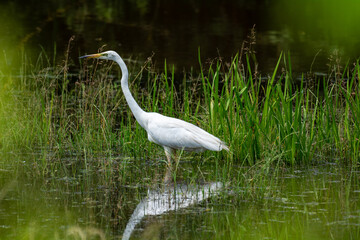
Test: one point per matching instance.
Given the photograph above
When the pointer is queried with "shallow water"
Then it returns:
(315, 203)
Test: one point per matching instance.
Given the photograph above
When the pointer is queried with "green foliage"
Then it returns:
(265, 120)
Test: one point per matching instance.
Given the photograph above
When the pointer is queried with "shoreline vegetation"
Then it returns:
(268, 121)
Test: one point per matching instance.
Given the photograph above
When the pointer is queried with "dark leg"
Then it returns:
(168, 173)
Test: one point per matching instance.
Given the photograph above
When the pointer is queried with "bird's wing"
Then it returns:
(178, 134)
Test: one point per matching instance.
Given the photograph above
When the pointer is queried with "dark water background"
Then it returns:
(315, 33)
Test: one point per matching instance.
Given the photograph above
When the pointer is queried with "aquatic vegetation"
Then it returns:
(268, 120)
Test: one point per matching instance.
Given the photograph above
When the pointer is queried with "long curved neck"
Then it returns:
(135, 109)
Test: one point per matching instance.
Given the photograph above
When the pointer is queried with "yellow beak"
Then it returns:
(97, 55)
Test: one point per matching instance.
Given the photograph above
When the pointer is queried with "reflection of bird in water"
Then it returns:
(168, 132)
(170, 199)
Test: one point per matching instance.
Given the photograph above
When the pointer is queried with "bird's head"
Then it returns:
(108, 55)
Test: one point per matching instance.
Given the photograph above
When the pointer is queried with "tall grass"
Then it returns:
(282, 118)
(271, 120)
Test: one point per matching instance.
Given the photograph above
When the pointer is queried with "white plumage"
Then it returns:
(170, 133)
(178, 134)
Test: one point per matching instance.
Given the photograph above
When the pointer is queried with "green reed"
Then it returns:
(267, 121)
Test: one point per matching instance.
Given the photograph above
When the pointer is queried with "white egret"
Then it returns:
(170, 133)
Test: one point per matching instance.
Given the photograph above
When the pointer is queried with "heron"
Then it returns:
(170, 133)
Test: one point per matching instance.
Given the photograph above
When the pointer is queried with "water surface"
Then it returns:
(313, 203)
